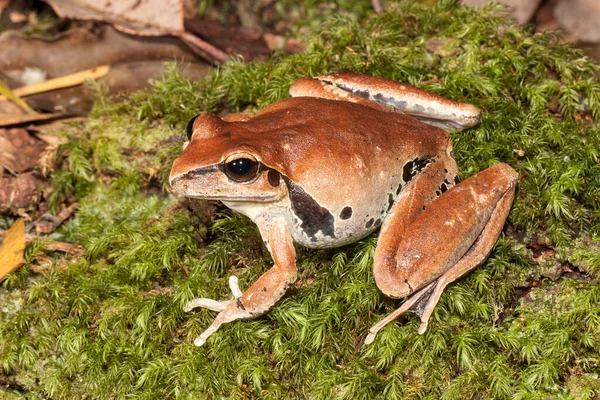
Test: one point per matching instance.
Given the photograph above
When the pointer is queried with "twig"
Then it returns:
(52, 246)
(61, 82)
(203, 48)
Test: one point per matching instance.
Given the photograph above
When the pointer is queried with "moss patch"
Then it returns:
(524, 325)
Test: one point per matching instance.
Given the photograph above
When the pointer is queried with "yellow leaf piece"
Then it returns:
(12, 250)
(9, 94)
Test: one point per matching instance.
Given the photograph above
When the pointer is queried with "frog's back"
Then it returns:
(344, 163)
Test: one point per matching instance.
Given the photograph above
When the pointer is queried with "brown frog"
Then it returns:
(346, 155)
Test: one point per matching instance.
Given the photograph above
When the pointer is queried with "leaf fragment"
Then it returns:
(12, 250)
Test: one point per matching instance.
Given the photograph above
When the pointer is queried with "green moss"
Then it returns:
(110, 322)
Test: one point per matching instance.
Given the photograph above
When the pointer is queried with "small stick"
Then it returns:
(61, 82)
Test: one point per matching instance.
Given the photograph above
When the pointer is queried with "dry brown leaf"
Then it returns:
(137, 17)
(8, 157)
(21, 193)
(12, 251)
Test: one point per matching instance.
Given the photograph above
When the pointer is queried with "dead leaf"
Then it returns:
(20, 193)
(28, 148)
(84, 50)
(8, 157)
(12, 250)
(138, 17)
(48, 157)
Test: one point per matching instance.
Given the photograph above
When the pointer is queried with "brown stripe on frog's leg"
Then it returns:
(390, 95)
(453, 236)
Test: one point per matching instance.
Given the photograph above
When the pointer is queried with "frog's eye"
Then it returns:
(189, 129)
(242, 169)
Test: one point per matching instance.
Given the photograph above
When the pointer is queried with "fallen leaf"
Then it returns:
(8, 157)
(28, 148)
(84, 50)
(12, 250)
(138, 17)
(20, 193)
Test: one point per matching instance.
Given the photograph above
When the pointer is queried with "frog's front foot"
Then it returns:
(215, 305)
(229, 310)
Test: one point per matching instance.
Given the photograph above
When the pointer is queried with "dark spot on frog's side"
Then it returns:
(264, 289)
(369, 223)
(274, 178)
(412, 168)
(313, 217)
(390, 201)
(346, 213)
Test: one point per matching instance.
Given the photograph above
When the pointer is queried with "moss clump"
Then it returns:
(110, 323)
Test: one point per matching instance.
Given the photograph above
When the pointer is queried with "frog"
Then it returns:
(343, 156)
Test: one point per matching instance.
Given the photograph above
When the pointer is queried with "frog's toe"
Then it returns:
(213, 305)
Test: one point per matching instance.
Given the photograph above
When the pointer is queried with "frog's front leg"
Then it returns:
(265, 292)
(452, 236)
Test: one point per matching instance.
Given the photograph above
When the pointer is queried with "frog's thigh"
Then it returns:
(425, 187)
(454, 235)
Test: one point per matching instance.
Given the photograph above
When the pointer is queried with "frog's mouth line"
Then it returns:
(236, 199)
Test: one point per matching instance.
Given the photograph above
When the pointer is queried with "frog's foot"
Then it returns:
(215, 305)
(229, 310)
(417, 304)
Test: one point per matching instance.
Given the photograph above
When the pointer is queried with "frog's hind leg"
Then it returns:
(451, 237)
(388, 95)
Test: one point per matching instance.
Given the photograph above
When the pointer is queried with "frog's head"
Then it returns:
(216, 165)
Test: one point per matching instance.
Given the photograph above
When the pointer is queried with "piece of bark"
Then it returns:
(232, 39)
(83, 50)
(122, 78)
(20, 193)
(580, 19)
